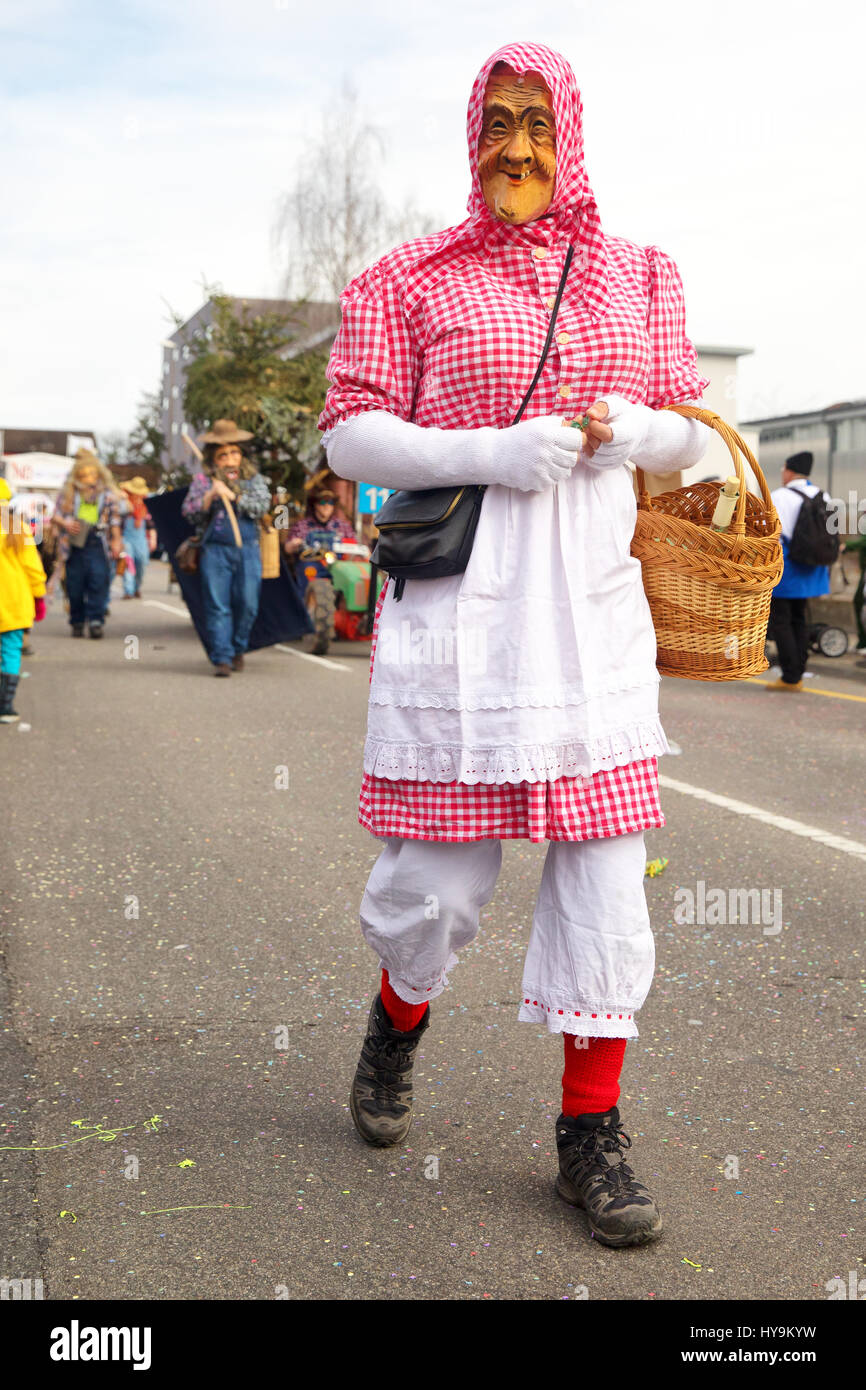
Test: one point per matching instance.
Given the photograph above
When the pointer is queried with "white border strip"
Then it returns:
(318, 660)
(278, 646)
(168, 608)
(792, 827)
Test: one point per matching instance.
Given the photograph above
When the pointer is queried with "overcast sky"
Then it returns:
(145, 144)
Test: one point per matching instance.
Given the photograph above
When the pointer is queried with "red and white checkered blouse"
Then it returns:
(446, 332)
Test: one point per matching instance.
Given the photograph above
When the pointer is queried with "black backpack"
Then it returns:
(813, 542)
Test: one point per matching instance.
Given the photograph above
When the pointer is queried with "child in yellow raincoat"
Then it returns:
(22, 598)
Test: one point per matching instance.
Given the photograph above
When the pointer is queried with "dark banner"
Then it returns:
(282, 616)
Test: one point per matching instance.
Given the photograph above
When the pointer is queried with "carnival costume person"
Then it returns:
(135, 544)
(322, 522)
(231, 574)
(88, 518)
(539, 718)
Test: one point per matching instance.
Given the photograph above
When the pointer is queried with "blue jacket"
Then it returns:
(798, 581)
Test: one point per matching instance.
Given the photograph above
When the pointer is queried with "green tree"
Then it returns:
(112, 447)
(239, 370)
(146, 439)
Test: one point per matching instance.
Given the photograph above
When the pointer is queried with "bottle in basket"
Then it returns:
(724, 512)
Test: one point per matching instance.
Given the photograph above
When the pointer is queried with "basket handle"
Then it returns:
(737, 445)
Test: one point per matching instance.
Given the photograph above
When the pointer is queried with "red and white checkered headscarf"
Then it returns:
(573, 206)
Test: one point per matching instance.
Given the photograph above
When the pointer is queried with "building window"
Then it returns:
(174, 426)
(165, 402)
(174, 393)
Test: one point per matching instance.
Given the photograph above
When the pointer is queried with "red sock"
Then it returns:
(402, 1016)
(590, 1082)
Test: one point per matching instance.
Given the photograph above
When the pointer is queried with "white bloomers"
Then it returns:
(590, 961)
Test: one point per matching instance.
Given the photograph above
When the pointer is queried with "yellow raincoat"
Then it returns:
(22, 578)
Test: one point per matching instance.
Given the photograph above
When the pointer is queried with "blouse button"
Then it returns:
(539, 253)
(563, 338)
(550, 301)
(565, 392)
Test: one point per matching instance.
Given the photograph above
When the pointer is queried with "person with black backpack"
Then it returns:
(811, 544)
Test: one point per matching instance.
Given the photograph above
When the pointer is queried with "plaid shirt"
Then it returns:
(337, 525)
(253, 502)
(112, 511)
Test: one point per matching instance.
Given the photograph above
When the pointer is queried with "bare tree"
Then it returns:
(335, 220)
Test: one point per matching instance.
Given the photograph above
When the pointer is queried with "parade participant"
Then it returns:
(135, 541)
(322, 522)
(22, 598)
(231, 574)
(800, 581)
(539, 720)
(88, 517)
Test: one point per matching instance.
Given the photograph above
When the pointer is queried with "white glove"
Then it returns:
(659, 441)
(377, 447)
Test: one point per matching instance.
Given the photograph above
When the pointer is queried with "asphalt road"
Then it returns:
(185, 988)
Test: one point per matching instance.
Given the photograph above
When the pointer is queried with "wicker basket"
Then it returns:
(709, 591)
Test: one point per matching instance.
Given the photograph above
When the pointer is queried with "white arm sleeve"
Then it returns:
(658, 441)
(377, 447)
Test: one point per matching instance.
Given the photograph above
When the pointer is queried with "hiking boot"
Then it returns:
(381, 1096)
(78, 629)
(593, 1174)
(95, 630)
(237, 662)
(222, 669)
(8, 687)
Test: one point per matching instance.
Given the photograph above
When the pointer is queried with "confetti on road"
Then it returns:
(201, 1206)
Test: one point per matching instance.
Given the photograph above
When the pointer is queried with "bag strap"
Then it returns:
(546, 349)
(400, 584)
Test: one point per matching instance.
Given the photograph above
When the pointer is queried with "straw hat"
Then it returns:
(137, 486)
(226, 432)
(87, 456)
(321, 481)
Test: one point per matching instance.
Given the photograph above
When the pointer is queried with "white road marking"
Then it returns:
(305, 656)
(793, 827)
(278, 646)
(168, 607)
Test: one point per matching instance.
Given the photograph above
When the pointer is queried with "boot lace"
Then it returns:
(388, 1059)
(609, 1139)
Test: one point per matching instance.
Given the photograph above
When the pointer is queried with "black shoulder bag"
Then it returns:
(429, 533)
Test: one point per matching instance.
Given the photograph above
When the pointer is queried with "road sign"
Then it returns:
(371, 498)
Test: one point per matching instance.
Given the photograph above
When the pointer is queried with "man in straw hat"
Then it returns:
(135, 536)
(226, 502)
(555, 734)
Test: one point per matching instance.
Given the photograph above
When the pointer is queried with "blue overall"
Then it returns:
(231, 583)
(135, 545)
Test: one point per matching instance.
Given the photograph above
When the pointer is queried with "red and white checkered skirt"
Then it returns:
(618, 802)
